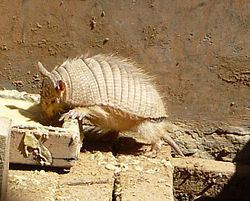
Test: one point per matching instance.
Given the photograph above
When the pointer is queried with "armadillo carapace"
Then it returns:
(111, 93)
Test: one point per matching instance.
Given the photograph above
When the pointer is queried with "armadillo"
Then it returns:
(112, 93)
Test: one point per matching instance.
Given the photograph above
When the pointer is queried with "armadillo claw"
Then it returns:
(81, 116)
(65, 116)
(72, 114)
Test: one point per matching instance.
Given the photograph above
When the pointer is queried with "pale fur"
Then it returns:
(109, 119)
(107, 106)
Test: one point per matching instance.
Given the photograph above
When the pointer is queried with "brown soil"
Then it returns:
(198, 51)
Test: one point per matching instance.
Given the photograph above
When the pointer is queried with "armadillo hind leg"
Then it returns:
(155, 133)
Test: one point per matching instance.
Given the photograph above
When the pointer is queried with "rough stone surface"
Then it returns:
(87, 180)
(62, 146)
(31, 141)
(219, 142)
(5, 125)
(143, 178)
(198, 178)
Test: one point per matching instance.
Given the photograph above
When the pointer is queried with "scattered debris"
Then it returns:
(78, 183)
(103, 14)
(92, 23)
(4, 47)
(35, 78)
(38, 25)
(18, 83)
(208, 39)
(105, 41)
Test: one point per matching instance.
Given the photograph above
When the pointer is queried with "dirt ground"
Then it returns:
(198, 52)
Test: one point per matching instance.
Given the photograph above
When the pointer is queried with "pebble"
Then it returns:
(103, 14)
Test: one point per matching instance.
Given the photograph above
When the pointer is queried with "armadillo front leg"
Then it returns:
(88, 117)
(91, 112)
(78, 112)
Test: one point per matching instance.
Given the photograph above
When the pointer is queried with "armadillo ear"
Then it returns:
(61, 86)
(43, 70)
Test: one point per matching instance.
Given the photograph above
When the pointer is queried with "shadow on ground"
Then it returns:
(121, 145)
(238, 187)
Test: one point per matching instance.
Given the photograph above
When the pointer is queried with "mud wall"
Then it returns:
(198, 50)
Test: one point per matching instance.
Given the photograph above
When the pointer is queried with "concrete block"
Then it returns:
(208, 178)
(31, 141)
(50, 146)
(88, 179)
(144, 178)
(5, 124)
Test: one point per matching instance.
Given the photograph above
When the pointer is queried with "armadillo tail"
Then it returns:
(172, 143)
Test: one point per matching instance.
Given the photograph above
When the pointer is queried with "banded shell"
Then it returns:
(109, 81)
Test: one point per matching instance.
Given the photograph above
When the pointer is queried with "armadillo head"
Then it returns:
(51, 95)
